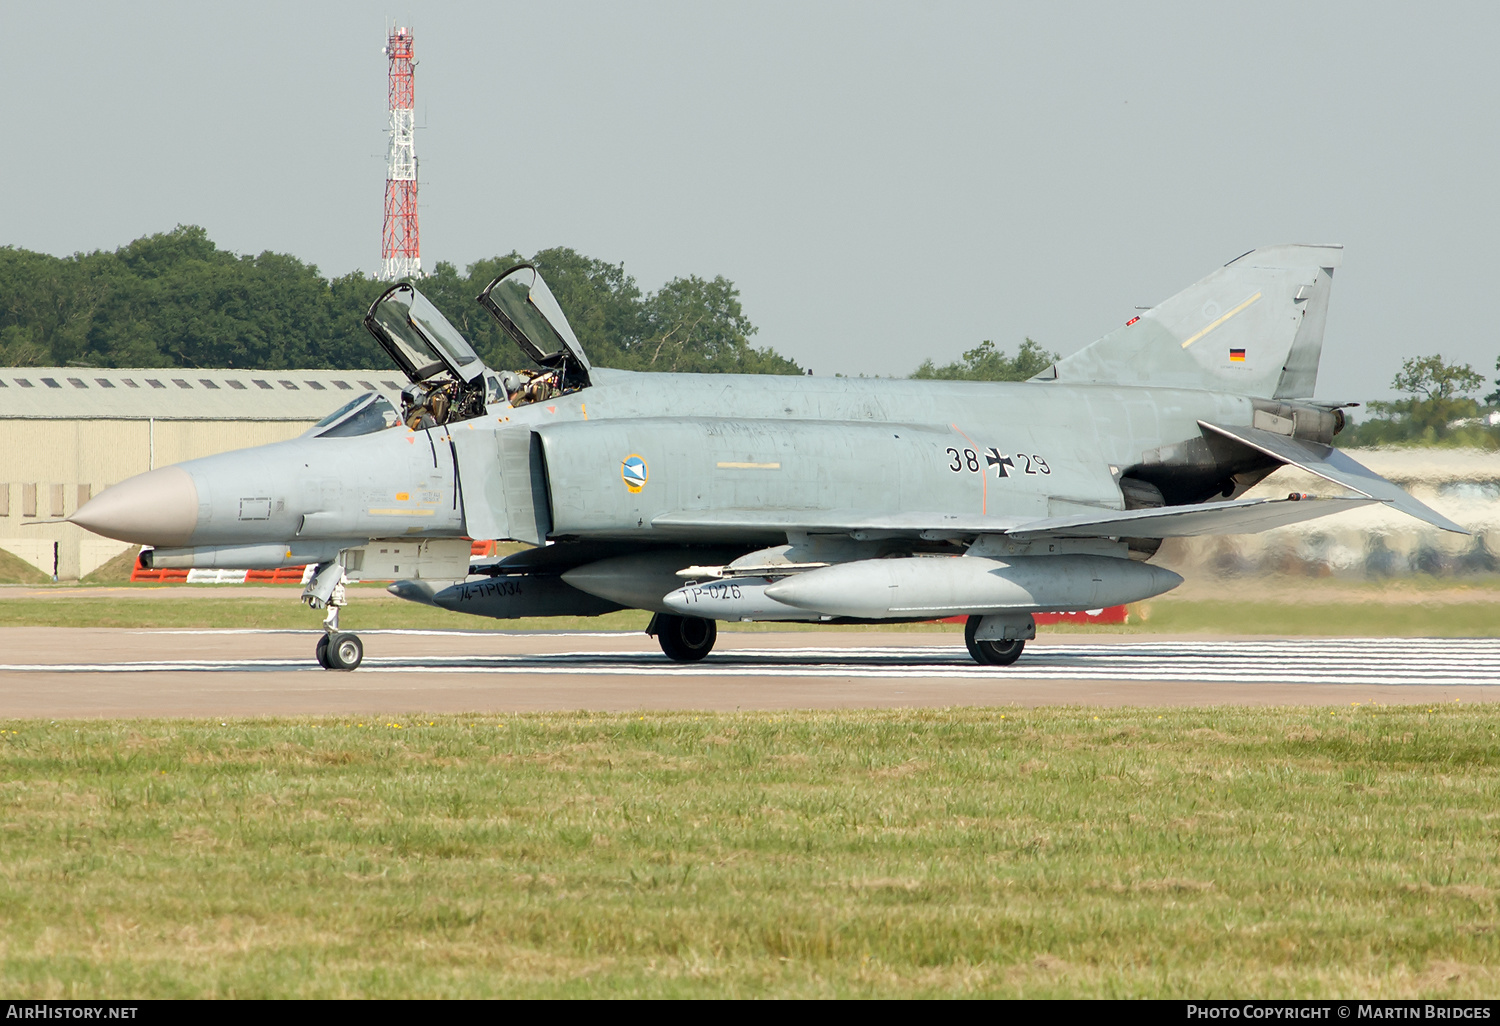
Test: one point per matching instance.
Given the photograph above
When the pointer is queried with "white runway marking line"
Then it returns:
(1357, 661)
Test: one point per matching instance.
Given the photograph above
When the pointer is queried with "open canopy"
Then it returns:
(520, 300)
(419, 338)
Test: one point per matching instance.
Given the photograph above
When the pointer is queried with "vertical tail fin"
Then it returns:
(1254, 326)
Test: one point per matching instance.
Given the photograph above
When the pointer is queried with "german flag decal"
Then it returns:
(1236, 356)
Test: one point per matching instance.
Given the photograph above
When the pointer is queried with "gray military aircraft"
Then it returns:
(728, 497)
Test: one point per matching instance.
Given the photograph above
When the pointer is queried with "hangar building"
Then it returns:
(66, 433)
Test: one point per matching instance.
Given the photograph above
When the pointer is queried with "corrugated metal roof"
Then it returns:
(172, 393)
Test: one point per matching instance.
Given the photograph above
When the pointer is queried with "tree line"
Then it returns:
(176, 299)
(1439, 406)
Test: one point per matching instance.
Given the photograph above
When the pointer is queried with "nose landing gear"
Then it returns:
(340, 650)
(336, 650)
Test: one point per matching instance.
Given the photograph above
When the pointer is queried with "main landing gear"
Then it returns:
(685, 639)
(990, 653)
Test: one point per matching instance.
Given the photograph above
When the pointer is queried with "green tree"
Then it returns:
(176, 299)
(1430, 379)
(20, 346)
(693, 324)
(1437, 393)
(986, 363)
(601, 302)
(690, 324)
(1438, 408)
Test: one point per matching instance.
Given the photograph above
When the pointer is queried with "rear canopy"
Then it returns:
(520, 300)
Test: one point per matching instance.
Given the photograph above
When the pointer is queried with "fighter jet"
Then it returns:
(703, 498)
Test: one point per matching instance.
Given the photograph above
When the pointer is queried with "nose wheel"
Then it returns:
(340, 651)
(336, 649)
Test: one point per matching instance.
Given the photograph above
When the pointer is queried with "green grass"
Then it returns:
(116, 570)
(15, 570)
(1476, 619)
(208, 606)
(1217, 852)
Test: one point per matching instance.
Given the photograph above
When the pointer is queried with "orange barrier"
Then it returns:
(1113, 614)
(1110, 614)
(140, 573)
(281, 575)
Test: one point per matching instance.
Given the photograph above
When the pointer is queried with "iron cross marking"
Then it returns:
(993, 458)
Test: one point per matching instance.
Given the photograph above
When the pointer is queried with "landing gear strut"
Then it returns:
(336, 649)
(990, 653)
(685, 639)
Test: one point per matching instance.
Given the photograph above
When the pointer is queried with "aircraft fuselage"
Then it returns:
(663, 457)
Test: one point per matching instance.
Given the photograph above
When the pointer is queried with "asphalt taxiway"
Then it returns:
(51, 672)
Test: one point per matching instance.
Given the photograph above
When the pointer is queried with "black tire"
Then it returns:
(685, 639)
(345, 651)
(322, 652)
(990, 653)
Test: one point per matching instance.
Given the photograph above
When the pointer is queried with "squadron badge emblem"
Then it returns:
(633, 470)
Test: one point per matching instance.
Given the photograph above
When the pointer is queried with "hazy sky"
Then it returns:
(884, 182)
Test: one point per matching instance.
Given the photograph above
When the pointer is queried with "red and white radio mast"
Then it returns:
(401, 252)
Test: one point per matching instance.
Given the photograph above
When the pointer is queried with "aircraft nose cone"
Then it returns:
(159, 507)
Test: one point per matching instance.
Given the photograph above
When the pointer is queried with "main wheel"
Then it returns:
(990, 653)
(322, 651)
(345, 651)
(685, 639)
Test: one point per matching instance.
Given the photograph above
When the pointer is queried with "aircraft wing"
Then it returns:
(840, 521)
(1240, 516)
(1332, 465)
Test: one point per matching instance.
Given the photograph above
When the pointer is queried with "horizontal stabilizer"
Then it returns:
(1332, 465)
(1242, 516)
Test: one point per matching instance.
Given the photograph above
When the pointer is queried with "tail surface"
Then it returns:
(1254, 326)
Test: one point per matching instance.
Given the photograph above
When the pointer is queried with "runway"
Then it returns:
(58, 672)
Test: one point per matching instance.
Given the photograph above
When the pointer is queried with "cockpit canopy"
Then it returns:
(419, 338)
(363, 415)
(449, 382)
(520, 300)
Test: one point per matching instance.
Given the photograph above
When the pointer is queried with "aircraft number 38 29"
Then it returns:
(967, 460)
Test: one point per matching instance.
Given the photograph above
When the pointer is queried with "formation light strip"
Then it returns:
(1221, 320)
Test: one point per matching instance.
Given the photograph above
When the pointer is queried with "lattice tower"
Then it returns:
(401, 252)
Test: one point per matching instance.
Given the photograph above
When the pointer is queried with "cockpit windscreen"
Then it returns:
(369, 413)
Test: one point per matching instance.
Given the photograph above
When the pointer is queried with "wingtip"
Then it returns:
(1426, 514)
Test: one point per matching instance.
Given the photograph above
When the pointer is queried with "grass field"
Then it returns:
(1472, 613)
(15, 570)
(208, 606)
(1287, 852)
